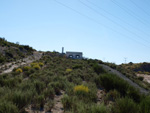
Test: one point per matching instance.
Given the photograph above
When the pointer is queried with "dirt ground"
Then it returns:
(58, 107)
(100, 95)
(146, 77)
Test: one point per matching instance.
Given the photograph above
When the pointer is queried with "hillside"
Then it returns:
(50, 82)
(138, 67)
(58, 84)
(10, 51)
(137, 72)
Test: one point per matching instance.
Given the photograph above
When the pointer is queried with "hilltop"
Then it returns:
(55, 83)
(10, 51)
(140, 68)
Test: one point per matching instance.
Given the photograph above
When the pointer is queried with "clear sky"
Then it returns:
(110, 30)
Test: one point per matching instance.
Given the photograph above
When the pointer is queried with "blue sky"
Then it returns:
(110, 30)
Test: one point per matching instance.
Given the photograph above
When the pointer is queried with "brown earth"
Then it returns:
(146, 77)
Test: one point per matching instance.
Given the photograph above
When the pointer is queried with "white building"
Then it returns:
(74, 55)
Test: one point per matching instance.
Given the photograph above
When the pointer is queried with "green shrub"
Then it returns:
(57, 87)
(41, 64)
(92, 95)
(36, 67)
(145, 105)
(49, 105)
(2, 59)
(8, 107)
(77, 66)
(67, 102)
(74, 79)
(125, 105)
(21, 99)
(110, 82)
(98, 69)
(112, 95)
(99, 109)
(33, 64)
(26, 68)
(39, 86)
(134, 94)
(49, 92)
(40, 101)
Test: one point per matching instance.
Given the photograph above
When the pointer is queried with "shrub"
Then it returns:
(134, 94)
(110, 82)
(26, 68)
(125, 105)
(33, 64)
(81, 91)
(141, 78)
(49, 105)
(145, 105)
(39, 86)
(68, 70)
(21, 99)
(98, 69)
(81, 88)
(41, 64)
(67, 102)
(8, 107)
(77, 66)
(74, 78)
(92, 94)
(49, 93)
(40, 101)
(37, 67)
(19, 70)
(2, 59)
(99, 109)
(57, 86)
(112, 95)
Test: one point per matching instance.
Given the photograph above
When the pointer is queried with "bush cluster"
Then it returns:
(19, 70)
(81, 88)
(59, 74)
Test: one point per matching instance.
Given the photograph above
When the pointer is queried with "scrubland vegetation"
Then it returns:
(130, 70)
(36, 85)
(10, 51)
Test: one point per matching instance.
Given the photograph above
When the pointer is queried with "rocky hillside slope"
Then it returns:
(10, 51)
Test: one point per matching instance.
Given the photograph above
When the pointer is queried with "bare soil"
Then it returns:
(58, 107)
(146, 77)
(100, 96)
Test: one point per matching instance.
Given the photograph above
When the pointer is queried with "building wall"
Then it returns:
(74, 55)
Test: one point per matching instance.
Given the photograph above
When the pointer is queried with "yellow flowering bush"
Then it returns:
(26, 68)
(68, 70)
(33, 64)
(41, 64)
(19, 70)
(37, 67)
(81, 88)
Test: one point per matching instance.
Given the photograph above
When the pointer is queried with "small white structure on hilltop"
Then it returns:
(74, 55)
